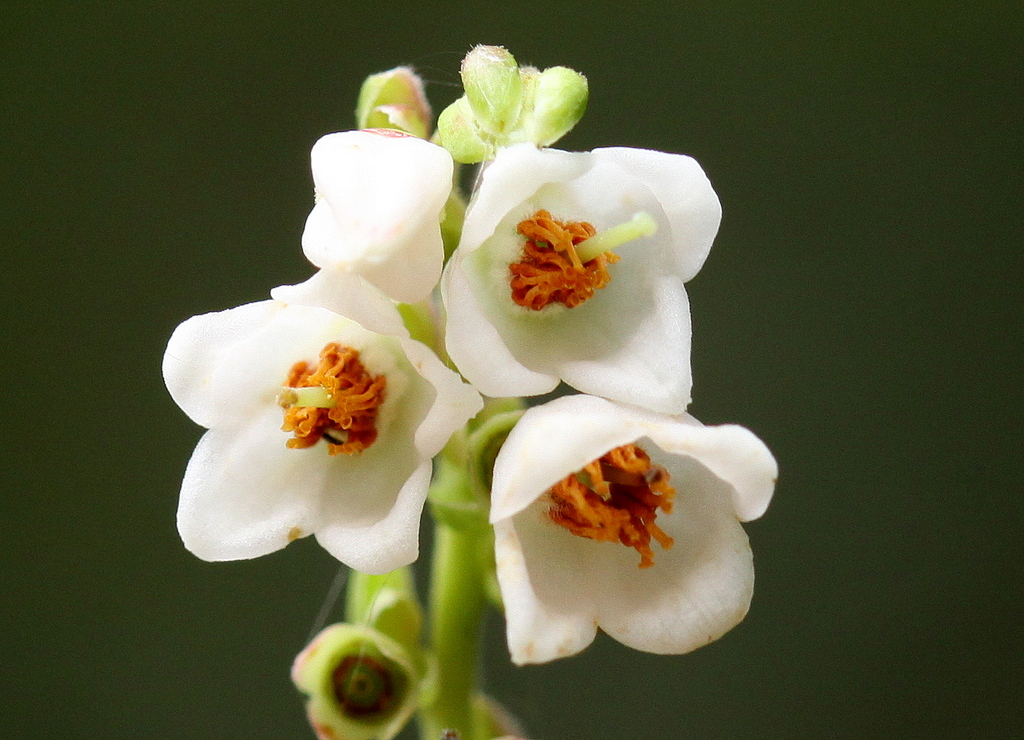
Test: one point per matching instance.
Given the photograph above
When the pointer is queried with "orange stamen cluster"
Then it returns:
(348, 426)
(550, 271)
(616, 499)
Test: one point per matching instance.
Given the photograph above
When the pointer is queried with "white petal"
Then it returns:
(348, 295)
(685, 193)
(550, 442)
(245, 494)
(732, 453)
(698, 589)
(249, 377)
(616, 346)
(455, 402)
(477, 349)
(513, 177)
(195, 348)
(373, 504)
(378, 214)
(549, 624)
(384, 544)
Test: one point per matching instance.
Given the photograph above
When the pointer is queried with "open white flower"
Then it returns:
(616, 324)
(621, 519)
(365, 412)
(379, 199)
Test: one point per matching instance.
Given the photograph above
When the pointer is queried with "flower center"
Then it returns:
(550, 269)
(566, 261)
(336, 400)
(616, 499)
(363, 686)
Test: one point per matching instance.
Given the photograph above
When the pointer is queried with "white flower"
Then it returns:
(357, 480)
(559, 585)
(630, 340)
(379, 199)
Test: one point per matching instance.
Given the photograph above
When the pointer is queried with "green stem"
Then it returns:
(457, 602)
(457, 597)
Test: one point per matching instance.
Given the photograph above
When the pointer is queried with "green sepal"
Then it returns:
(418, 319)
(457, 132)
(452, 217)
(485, 442)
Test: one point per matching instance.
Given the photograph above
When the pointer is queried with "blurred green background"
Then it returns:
(861, 311)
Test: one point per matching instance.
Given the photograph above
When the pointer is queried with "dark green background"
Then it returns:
(860, 311)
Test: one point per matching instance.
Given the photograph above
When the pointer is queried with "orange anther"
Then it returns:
(550, 270)
(348, 425)
(616, 499)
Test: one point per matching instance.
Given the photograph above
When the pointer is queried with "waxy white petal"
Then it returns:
(348, 295)
(477, 348)
(678, 182)
(193, 350)
(245, 494)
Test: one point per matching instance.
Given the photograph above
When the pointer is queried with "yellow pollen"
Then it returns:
(550, 270)
(349, 423)
(616, 499)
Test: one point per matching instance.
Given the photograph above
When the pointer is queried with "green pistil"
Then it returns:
(313, 397)
(642, 224)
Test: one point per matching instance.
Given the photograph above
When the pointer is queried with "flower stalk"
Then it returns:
(458, 598)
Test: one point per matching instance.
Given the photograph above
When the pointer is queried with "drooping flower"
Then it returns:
(315, 426)
(621, 519)
(571, 267)
(380, 194)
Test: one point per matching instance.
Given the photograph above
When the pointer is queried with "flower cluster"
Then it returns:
(327, 402)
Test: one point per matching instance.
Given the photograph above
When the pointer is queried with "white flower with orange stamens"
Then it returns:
(380, 194)
(316, 426)
(571, 267)
(616, 518)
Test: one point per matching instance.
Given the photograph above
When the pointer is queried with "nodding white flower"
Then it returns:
(615, 518)
(315, 426)
(571, 267)
(379, 199)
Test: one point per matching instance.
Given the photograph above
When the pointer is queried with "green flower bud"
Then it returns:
(490, 76)
(360, 684)
(394, 99)
(457, 132)
(559, 101)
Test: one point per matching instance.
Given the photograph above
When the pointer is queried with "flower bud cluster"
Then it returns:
(505, 104)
